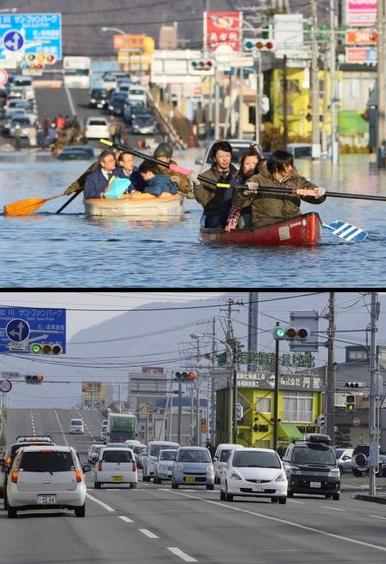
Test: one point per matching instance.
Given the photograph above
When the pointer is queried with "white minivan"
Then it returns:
(76, 426)
(220, 458)
(150, 458)
(137, 94)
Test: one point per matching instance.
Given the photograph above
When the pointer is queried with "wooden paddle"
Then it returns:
(27, 206)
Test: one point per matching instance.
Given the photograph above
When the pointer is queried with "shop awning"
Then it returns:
(352, 123)
(289, 431)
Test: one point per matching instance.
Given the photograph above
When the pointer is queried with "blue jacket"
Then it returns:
(95, 183)
(137, 182)
(160, 183)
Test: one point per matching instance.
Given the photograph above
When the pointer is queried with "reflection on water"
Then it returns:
(69, 250)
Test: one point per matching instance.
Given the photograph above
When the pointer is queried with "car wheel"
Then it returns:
(328, 496)
(97, 485)
(290, 494)
(336, 497)
(282, 500)
(222, 495)
(133, 485)
(5, 501)
(174, 486)
(228, 496)
(80, 511)
(12, 512)
(210, 487)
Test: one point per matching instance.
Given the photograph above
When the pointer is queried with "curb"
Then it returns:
(372, 498)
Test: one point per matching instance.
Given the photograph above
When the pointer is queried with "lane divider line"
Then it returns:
(148, 533)
(124, 518)
(104, 505)
(181, 554)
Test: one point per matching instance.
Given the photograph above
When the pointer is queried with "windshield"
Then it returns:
(155, 449)
(308, 455)
(194, 456)
(262, 459)
(168, 455)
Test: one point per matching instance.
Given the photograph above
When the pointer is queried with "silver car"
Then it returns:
(193, 467)
(164, 465)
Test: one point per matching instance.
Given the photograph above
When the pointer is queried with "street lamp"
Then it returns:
(232, 435)
(120, 32)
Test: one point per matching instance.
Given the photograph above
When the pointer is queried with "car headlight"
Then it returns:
(180, 467)
(209, 469)
(295, 470)
(281, 477)
(334, 473)
(234, 475)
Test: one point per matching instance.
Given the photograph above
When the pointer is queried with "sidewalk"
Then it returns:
(360, 486)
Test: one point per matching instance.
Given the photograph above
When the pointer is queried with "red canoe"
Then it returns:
(305, 229)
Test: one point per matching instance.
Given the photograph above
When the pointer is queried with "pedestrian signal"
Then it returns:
(46, 348)
(259, 45)
(350, 403)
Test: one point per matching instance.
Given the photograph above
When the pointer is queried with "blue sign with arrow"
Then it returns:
(23, 330)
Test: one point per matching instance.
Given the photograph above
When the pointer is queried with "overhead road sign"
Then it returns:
(21, 34)
(21, 329)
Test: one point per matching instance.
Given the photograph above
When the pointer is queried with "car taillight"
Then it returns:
(100, 466)
(78, 475)
(8, 461)
(134, 465)
(14, 476)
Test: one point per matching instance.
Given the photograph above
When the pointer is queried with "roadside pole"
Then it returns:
(373, 435)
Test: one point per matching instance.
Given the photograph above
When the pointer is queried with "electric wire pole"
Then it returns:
(330, 388)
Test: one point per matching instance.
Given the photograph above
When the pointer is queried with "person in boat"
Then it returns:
(78, 184)
(156, 183)
(216, 201)
(127, 169)
(269, 208)
(249, 166)
(97, 181)
(164, 152)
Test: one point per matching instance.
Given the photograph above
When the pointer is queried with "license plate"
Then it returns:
(259, 489)
(190, 479)
(116, 478)
(46, 499)
(315, 484)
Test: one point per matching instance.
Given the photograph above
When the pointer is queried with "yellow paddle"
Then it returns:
(27, 206)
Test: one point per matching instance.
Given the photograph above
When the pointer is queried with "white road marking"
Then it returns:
(377, 517)
(148, 533)
(333, 508)
(181, 554)
(293, 501)
(124, 518)
(61, 429)
(104, 505)
(285, 522)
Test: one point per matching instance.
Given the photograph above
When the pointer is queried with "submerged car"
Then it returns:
(193, 467)
(254, 472)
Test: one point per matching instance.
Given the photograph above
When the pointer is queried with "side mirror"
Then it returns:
(215, 459)
(86, 468)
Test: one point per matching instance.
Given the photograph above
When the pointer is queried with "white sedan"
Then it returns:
(256, 472)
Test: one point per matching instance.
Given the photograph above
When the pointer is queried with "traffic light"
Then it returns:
(33, 378)
(185, 376)
(355, 385)
(291, 333)
(350, 404)
(202, 66)
(46, 348)
(259, 45)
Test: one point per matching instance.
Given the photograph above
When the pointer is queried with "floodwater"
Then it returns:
(47, 250)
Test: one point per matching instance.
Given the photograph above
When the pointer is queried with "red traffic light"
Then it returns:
(192, 375)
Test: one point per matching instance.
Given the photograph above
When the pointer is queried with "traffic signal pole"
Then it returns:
(330, 384)
(373, 434)
(276, 393)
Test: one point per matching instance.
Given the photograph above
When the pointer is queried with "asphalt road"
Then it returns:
(157, 524)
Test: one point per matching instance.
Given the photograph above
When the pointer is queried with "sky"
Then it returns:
(153, 340)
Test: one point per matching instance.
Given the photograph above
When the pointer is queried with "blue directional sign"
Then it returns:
(30, 33)
(24, 329)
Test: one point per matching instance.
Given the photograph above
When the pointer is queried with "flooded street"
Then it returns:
(71, 251)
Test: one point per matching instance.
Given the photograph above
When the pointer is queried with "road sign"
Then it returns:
(3, 77)
(20, 327)
(21, 34)
(5, 386)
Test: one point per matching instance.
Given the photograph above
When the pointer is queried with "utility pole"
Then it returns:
(315, 136)
(213, 394)
(330, 388)
(334, 89)
(285, 103)
(253, 323)
(381, 85)
(374, 385)
(198, 426)
(276, 392)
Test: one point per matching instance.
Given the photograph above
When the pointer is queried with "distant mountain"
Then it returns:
(82, 20)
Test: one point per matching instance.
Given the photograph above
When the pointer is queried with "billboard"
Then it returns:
(361, 12)
(22, 34)
(222, 28)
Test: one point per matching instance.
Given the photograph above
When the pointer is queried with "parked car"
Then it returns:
(93, 452)
(76, 153)
(139, 456)
(116, 465)
(116, 103)
(343, 457)
(150, 456)
(47, 477)
(256, 472)
(360, 461)
(300, 150)
(132, 110)
(311, 467)
(220, 458)
(98, 98)
(239, 146)
(164, 465)
(193, 467)
(17, 103)
(110, 79)
(97, 127)
(19, 113)
(21, 123)
(76, 426)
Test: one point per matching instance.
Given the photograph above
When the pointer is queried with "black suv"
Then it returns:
(311, 467)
